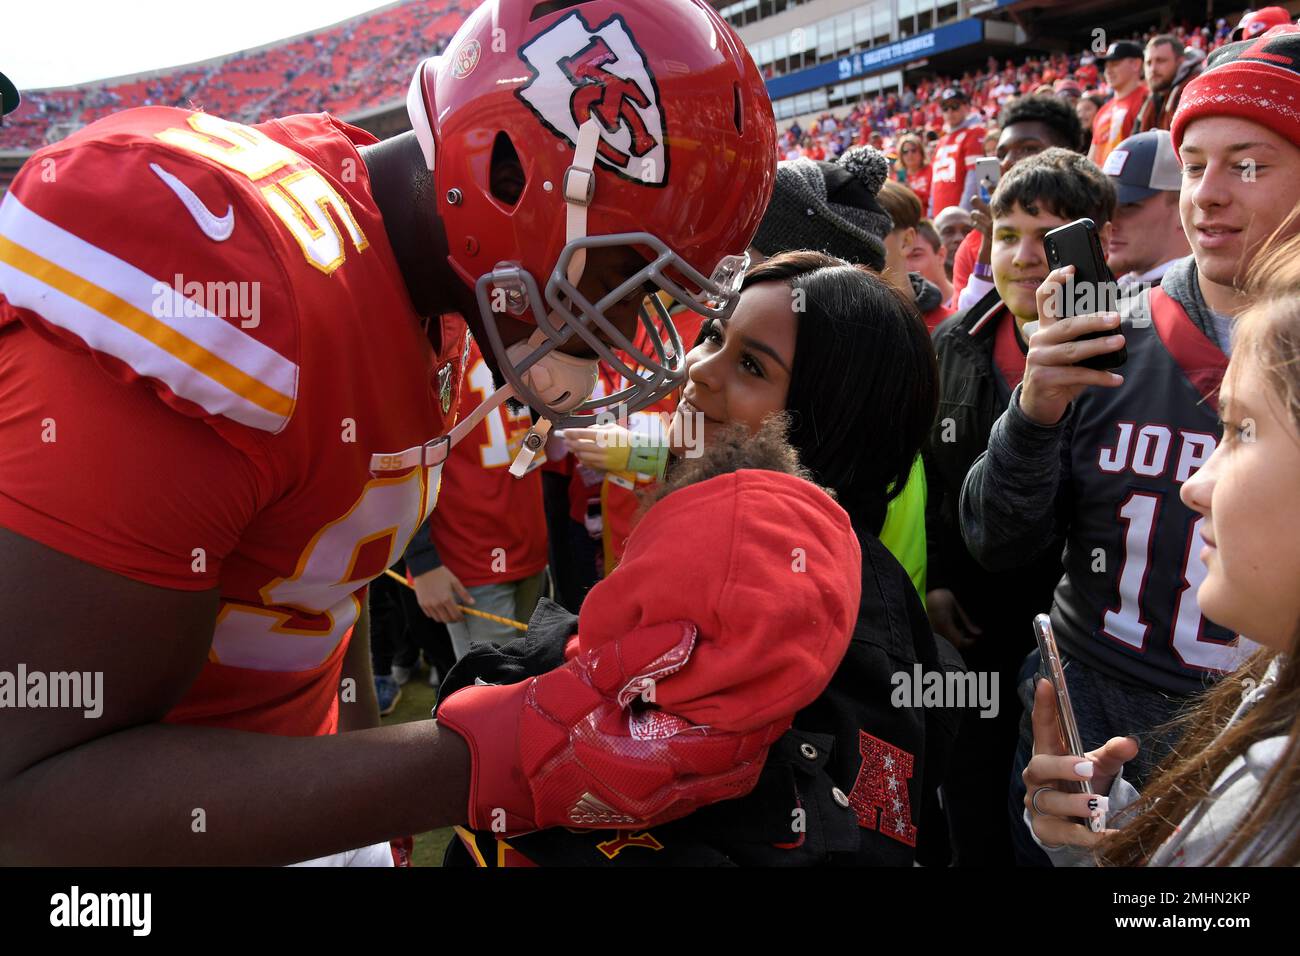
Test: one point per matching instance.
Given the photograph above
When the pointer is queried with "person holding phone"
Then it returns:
(1097, 458)
(1030, 124)
(1226, 794)
(982, 357)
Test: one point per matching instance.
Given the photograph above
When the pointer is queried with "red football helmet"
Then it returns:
(636, 123)
(1255, 23)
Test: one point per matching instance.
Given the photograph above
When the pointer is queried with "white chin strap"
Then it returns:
(579, 192)
(563, 381)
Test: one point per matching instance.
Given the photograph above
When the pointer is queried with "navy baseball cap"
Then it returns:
(1143, 165)
(953, 93)
(1122, 50)
(9, 97)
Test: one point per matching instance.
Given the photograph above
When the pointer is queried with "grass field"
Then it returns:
(417, 703)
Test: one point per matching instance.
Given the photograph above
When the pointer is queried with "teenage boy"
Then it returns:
(981, 360)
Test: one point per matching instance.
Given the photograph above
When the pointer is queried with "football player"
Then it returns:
(220, 416)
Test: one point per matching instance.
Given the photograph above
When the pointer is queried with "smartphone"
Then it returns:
(988, 170)
(1055, 672)
(1077, 244)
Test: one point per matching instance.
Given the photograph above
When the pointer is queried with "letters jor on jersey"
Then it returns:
(578, 73)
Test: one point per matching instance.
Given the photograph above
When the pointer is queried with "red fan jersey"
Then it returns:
(204, 336)
(1114, 123)
(919, 183)
(954, 159)
(492, 526)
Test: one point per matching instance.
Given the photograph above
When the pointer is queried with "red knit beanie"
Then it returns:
(1258, 80)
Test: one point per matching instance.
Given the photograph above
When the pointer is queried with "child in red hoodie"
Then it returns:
(755, 571)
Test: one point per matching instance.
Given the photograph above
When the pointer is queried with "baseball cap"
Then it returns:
(1259, 21)
(9, 98)
(1122, 50)
(953, 93)
(1143, 165)
(1067, 87)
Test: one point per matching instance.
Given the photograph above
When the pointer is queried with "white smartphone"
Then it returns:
(1069, 727)
(988, 171)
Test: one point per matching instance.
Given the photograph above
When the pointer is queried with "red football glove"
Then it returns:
(569, 749)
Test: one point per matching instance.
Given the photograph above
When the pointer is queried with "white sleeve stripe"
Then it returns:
(146, 359)
(179, 317)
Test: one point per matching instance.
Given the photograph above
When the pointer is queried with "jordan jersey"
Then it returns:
(1127, 603)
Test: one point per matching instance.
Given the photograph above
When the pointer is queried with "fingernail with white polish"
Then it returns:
(1084, 769)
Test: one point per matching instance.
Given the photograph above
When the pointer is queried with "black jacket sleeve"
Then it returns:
(1013, 497)
(421, 554)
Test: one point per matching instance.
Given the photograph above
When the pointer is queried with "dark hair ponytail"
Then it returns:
(865, 384)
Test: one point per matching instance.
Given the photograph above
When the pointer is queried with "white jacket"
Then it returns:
(1214, 820)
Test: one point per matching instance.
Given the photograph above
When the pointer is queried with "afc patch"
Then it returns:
(880, 797)
(578, 73)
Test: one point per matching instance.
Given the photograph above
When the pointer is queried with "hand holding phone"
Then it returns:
(1065, 348)
(1067, 743)
(988, 171)
(1093, 286)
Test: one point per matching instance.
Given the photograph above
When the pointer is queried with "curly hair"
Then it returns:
(1066, 183)
(1053, 112)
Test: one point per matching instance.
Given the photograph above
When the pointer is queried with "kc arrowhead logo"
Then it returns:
(578, 73)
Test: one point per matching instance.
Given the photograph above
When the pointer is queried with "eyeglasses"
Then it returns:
(956, 105)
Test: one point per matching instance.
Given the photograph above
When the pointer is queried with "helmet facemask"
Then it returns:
(565, 312)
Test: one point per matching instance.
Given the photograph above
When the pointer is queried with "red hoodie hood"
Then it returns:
(768, 569)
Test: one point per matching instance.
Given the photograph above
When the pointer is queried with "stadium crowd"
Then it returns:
(356, 65)
(884, 119)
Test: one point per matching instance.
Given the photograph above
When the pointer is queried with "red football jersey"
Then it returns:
(919, 183)
(954, 157)
(237, 286)
(491, 527)
(1114, 123)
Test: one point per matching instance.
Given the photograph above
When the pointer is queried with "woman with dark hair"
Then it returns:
(839, 349)
(832, 208)
(1088, 106)
(842, 354)
(843, 357)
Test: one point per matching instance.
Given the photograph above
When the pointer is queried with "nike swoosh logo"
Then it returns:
(216, 228)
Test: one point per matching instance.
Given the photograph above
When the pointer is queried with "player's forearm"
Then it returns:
(169, 795)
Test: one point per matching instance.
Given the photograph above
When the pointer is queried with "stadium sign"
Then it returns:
(878, 59)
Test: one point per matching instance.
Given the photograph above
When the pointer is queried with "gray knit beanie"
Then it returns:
(830, 207)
